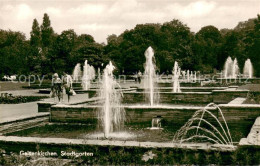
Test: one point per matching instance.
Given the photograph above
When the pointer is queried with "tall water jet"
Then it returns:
(235, 69)
(195, 76)
(188, 75)
(149, 75)
(228, 67)
(112, 115)
(231, 69)
(176, 74)
(76, 73)
(88, 75)
(248, 69)
(183, 74)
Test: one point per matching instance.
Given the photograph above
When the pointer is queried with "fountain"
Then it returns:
(99, 75)
(231, 69)
(176, 74)
(112, 115)
(88, 75)
(195, 77)
(235, 69)
(183, 74)
(227, 67)
(191, 130)
(85, 79)
(150, 75)
(76, 73)
(188, 76)
(248, 69)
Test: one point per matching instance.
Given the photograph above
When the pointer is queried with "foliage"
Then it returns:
(10, 99)
(47, 52)
(111, 155)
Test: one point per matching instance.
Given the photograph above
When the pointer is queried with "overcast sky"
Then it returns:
(101, 18)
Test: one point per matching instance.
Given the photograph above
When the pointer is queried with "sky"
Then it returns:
(101, 18)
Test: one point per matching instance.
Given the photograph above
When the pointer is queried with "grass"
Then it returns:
(6, 86)
(251, 87)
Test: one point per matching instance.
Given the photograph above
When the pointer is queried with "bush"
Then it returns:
(10, 99)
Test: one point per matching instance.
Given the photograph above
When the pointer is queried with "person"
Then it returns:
(167, 73)
(139, 75)
(67, 85)
(135, 76)
(56, 89)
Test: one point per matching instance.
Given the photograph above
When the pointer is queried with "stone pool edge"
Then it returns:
(82, 142)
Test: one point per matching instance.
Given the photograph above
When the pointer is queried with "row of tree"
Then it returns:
(47, 52)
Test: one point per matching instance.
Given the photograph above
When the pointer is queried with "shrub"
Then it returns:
(10, 99)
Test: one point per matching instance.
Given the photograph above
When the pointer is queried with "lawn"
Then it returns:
(7, 85)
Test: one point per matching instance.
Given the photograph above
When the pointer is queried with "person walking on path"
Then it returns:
(56, 89)
(67, 85)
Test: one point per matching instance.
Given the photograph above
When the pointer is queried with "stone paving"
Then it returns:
(12, 112)
(238, 100)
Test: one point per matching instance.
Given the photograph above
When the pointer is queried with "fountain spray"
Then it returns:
(112, 115)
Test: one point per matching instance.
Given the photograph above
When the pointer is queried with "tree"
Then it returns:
(46, 31)
(13, 53)
(207, 47)
(176, 39)
(61, 57)
(34, 54)
(35, 34)
(254, 51)
(47, 38)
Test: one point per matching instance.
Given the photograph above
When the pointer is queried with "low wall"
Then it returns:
(23, 124)
(168, 97)
(225, 96)
(216, 96)
(91, 93)
(74, 114)
(238, 115)
(89, 114)
(45, 106)
(239, 80)
(185, 89)
(182, 84)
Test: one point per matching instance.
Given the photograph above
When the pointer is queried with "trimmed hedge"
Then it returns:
(10, 99)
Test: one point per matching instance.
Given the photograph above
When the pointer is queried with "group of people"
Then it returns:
(138, 77)
(61, 85)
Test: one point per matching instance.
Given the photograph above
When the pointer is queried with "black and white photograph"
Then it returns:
(129, 82)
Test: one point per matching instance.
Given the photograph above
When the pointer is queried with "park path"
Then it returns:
(12, 112)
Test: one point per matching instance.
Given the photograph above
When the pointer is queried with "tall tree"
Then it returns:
(47, 38)
(254, 52)
(35, 34)
(46, 31)
(34, 54)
